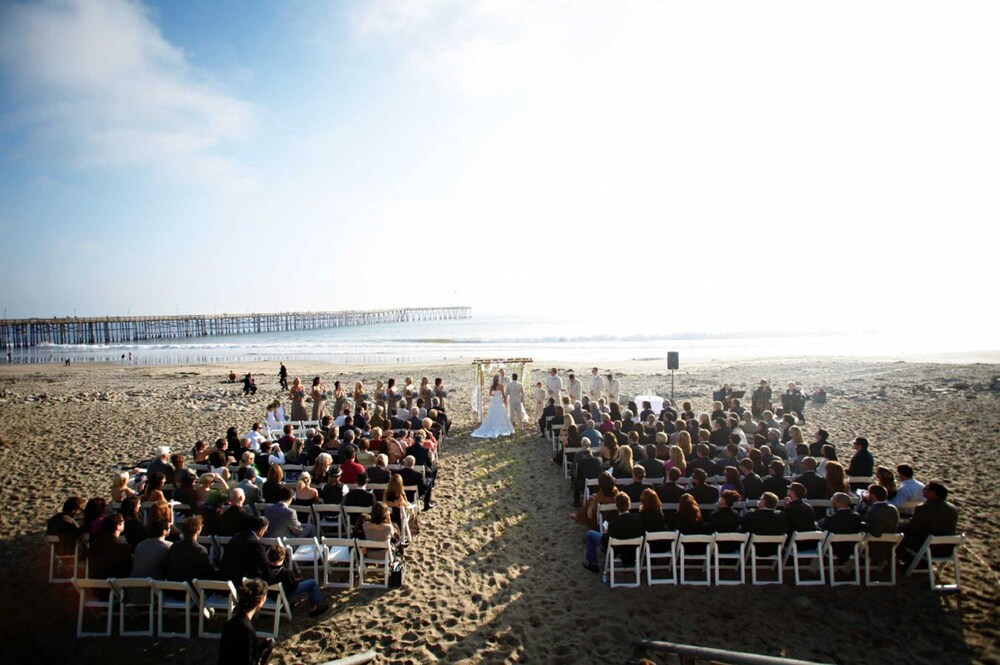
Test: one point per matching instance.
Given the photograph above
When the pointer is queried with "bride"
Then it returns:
(497, 420)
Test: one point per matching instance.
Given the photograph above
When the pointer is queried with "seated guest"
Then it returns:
(880, 518)
(379, 473)
(885, 478)
(305, 493)
(350, 469)
(862, 463)
(828, 454)
(606, 493)
(548, 412)
(161, 510)
(766, 521)
(815, 486)
(688, 518)
(134, 530)
(93, 515)
(63, 525)
(250, 486)
(624, 525)
(836, 479)
(654, 467)
(287, 440)
(153, 490)
(378, 526)
(909, 489)
(188, 559)
(799, 514)
(292, 584)
(730, 455)
(590, 432)
(236, 517)
(283, 522)
(239, 644)
(651, 512)
(271, 490)
(670, 491)
(843, 521)
(636, 487)
(109, 554)
(421, 454)
(360, 496)
(753, 486)
(333, 491)
(622, 466)
(161, 464)
(821, 438)
(246, 555)
(702, 492)
(412, 477)
(676, 459)
(725, 519)
(702, 461)
(186, 494)
(151, 554)
(119, 487)
(585, 467)
(934, 517)
(733, 481)
(776, 483)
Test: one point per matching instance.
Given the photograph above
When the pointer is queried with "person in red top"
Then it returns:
(350, 469)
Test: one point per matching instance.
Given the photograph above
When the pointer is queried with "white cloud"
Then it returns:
(97, 82)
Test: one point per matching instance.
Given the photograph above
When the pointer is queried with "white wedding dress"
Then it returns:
(497, 421)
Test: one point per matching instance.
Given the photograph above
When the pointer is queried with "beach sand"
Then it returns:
(495, 574)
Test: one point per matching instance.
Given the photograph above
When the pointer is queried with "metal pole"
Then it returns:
(671, 387)
(719, 655)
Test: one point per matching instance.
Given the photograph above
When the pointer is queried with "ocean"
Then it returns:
(505, 336)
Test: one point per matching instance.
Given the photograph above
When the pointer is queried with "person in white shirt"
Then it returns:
(256, 438)
(515, 399)
(539, 399)
(554, 386)
(910, 489)
(574, 388)
(276, 456)
(596, 385)
(614, 388)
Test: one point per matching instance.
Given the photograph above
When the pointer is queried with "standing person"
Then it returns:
(760, 401)
(298, 395)
(440, 392)
(596, 390)
(515, 402)
(554, 386)
(614, 388)
(574, 388)
(497, 421)
(339, 399)
(283, 377)
(239, 645)
(539, 395)
(793, 401)
(319, 398)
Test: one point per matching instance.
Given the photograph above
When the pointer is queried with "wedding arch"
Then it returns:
(486, 368)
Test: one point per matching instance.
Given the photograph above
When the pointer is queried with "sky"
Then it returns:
(726, 165)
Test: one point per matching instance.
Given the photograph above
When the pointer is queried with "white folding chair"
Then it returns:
(807, 546)
(667, 557)
(306, 553)
(350, 515)
(833, 539)
(890, 541)
(220, 546)
(338, 557)
(411, 490)
(588, 488)
(927, 554)
(135, 596)
(697, 559)
(90, 599)
(174, 596)
(366, 549)
(260, 507)
(556, 429)
(62, 560)
(214, 595)
(327, 520)
(304, 513)
(274, 605)
(603, 508)
(615, 548)
(737, 556)
(775, 559)
(565, 460)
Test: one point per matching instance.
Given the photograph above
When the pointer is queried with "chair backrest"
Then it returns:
(82, 583)
(661, 536)
(692, 539)
(164, 585)
(624, 542)
(732, 537)
(338, 542)
(804, 537)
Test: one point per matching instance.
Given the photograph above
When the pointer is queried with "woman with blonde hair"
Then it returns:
(119, 487)
(795, 439)
(662, 444)
(676, 460)
(887, 479)
(378, 420)
(623, 463)
(684, 443)
(380, 395)
(321, 465)
(305, 493)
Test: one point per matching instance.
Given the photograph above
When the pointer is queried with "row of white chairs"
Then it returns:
(716, 555)
(345, 558)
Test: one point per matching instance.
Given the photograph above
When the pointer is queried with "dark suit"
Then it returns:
(862, 464)
(881, 518)
(765, 522)
(724, 520)
(412, 477)
(800, 516)
(753, 486)
(670, 493)
(653, 467)
(233, 521)
(585, 469)
(245, 556)
(844, 521)
(109, 557)
(815, 486)
(624, 526)
(68, 531)
(548, 412)
(420, 454)
(187, 561)
(777, 485)
(931, 518)
(634, 491)
(703, 463)
(360, 498)
(704, 493)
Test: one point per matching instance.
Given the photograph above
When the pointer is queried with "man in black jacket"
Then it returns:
(236, 517)
(799, 514)
(843, 521)
(625, 525)
(766, 521)
(636, 487)
(413, 477)
(548, 412)
(246, 555)
(670, 491)
(776, 483)
(862, 463)
(702, 492)
(702, 461)
(934, 517)
(585, 467)
(753, 486)
(188, 559)
(110, 555)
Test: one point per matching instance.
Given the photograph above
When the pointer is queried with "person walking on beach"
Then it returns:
(283, 377)
(318, 398)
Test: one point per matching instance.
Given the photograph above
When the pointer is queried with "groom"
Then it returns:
(553, 386)
(515, 399)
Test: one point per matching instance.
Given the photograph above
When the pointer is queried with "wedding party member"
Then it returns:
(539, 395)
(318, 395)
(554, 386)
(614, 388)
(760, 401)
(298, 395)
(515, 402)
(575, 388)
(497, 421)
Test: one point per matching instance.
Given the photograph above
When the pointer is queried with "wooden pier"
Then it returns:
(23, 333)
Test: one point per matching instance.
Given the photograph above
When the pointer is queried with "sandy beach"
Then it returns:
(495, 573)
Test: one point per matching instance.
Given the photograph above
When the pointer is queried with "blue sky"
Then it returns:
(231, 156)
